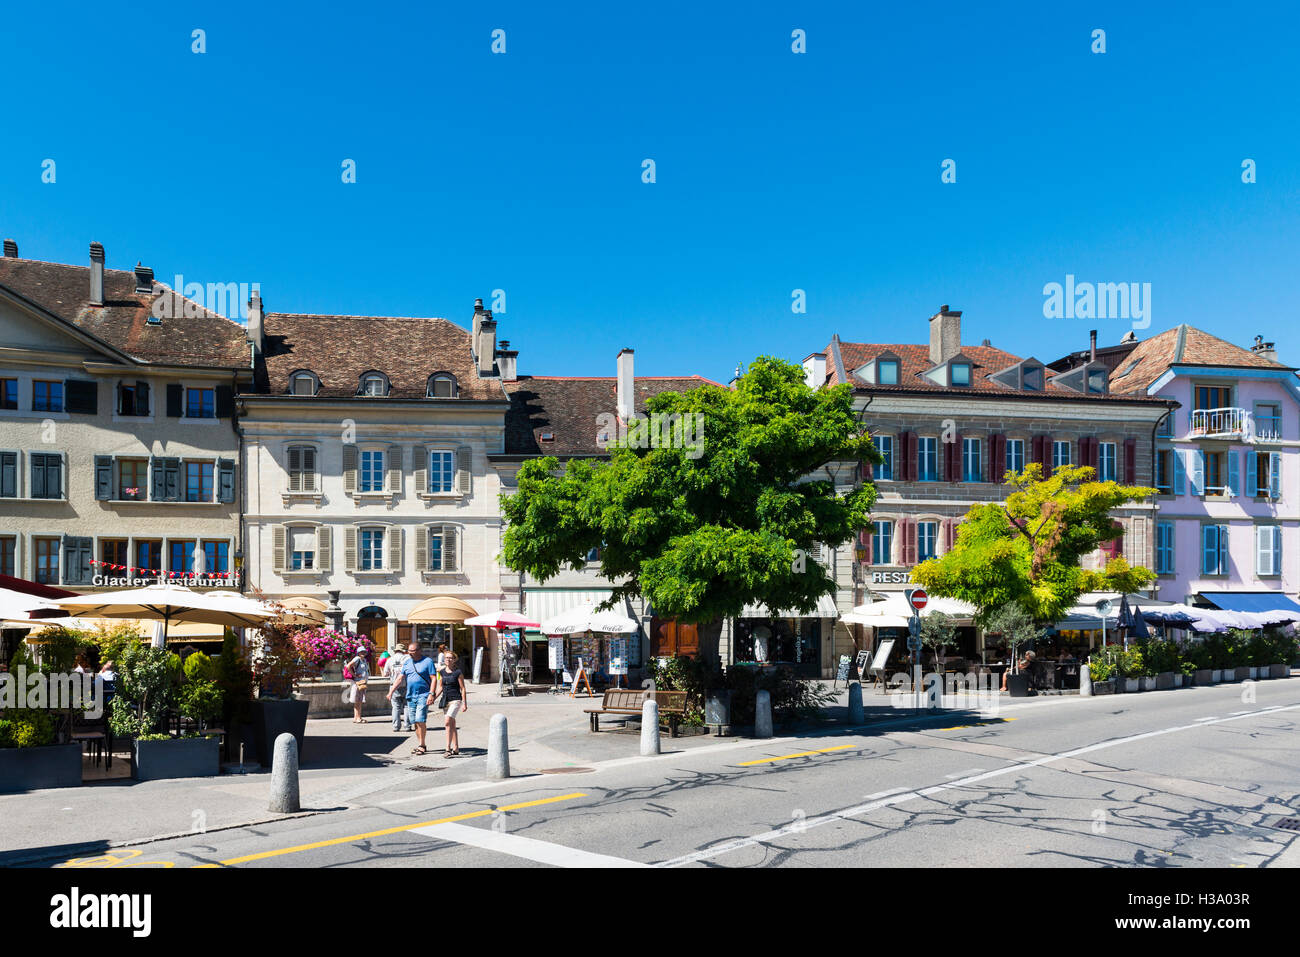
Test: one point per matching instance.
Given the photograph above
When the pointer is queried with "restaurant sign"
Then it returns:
(891, 577)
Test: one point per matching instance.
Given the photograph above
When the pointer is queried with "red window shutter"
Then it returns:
(955, 475)
(906, 462)
(908, 530)
(947, 534)
(1130, 461)
(864, 541)
(995, 455)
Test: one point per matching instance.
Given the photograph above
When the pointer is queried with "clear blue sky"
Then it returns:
(775, 171)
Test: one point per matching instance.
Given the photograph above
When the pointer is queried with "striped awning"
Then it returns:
(541, 604)
(825, 609)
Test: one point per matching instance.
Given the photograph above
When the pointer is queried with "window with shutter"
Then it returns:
(395, 549)
(1130, 461)
(423, 539)
(103, 477)
(464, 477)
(324, 547)
(225, 480)
(8, 474)
(47, 475)
(394, 468)
(450, 551)
(350, 548)
(295, 468)
(278, 547)
(83, 396)
(175, 400)
(420, 470)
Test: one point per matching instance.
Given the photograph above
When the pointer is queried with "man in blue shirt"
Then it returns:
(417, 678)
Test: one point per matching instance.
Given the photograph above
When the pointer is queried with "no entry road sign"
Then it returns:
(918, 598)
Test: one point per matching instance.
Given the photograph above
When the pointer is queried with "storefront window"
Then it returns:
(788, 641)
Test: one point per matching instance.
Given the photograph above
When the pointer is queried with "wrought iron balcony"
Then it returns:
(1220, 424)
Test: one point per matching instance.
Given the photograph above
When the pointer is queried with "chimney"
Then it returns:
(507, 359)
(487, 343)
(255, 333)
(814, 370)
(1092, 345)
(625, 393)
(945, 335)
(96, 274)
(474, 327)
(1261, 348)
(11, 249)
(143, 279)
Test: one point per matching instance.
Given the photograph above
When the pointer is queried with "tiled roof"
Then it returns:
(1183, 344)
(568, 408)
(340, 349)
(202, 339)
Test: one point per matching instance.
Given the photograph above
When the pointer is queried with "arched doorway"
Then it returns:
(372, 621)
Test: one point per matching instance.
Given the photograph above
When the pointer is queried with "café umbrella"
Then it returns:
(168, 603)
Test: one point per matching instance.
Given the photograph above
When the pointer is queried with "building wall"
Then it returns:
(272, 426)
(79, 438)
(1242, 513)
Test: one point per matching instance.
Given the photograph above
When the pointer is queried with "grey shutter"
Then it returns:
(422, 548)
(464, 476)
(225, 480)
(394, 463)
(350, 548)
(172, 479)
(142, 398)
(420, 467)
(8, 475)
(103, 477)
(157, 481)
(394, 534)
(349, 468)
(37, 469)
(279, 538)
(324, 535)
(75, 560)
(295, 469)
(175, 400)
(309, 468)
(450, 560)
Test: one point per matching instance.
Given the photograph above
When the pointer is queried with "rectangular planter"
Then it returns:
(1216, 676)
(1148, 683)
(273, 717)
(1180, 680)
(1165, 681)
(1241, 674)
(31, 769)
(1132, 685)
(176, 758)
(1254, 674)
(1279, 671)
(1103, 687)
(1203, 677)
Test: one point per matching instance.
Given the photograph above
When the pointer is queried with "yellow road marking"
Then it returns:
(801, 754)
(117, 858)
(397, 830)
(978, 724)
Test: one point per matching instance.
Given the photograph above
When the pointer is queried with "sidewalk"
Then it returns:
(342, 763)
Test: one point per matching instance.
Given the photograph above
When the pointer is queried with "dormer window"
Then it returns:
(442, 386)
(888, 372)
(1097, 381)
(1033, 378)
(303, 383)
(374, 384)
(960, 374)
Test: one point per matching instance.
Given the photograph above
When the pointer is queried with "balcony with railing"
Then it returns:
(1220, 424)
(1268, 428)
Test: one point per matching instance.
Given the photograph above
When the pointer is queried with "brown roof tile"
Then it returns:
(1182, 344)
(340, 349)
(568, 408)
(203, 339)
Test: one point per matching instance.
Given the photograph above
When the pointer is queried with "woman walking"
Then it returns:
(359, 668)
(453, 697)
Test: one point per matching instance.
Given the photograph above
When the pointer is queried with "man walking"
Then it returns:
(416, 677)
(393, 668)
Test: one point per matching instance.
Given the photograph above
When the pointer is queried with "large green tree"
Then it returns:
(1028, 549)
(721, 515)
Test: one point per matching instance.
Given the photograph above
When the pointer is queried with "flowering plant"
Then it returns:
(319, 646)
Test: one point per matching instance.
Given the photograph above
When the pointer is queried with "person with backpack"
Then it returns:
(416, 681)
(393, 668)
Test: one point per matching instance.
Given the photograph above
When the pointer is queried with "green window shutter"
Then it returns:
(279, 538)
(225, 402)
(142, 398)
(157, 480)
(349, 469)
(295, 469)
(171, 479)
(324, 539)
(103, 477)
(175, 400)
(225, 480)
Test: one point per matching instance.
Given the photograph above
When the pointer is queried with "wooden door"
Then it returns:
(376, 629)
(669, 638)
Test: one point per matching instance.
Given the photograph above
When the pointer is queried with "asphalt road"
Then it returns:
(1188, 778)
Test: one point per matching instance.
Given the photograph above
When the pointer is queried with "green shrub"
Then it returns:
(26, 728)
(111, 641)
(199, 667)
(695, 676)
(235, 679)
(200, 700)
(146, 685)
(793, 697)
(1160, 655)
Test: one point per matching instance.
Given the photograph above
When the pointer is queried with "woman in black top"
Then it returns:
(451, 683)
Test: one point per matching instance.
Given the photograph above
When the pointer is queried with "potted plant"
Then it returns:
(29, 757)
(150, 681)
(1017, 627)
(234, 678)
(1101, 668)
(1282, 650)
(278, 667)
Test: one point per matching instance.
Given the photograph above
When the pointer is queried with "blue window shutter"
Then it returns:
(1275, 476)
(1223, 550)
(1277, 549)
(1180, 473)
(1198, 472)
(1234, 477)
(1252, 473)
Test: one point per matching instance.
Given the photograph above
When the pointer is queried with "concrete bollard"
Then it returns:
(498, 756)
(763, 715)
(284, 775)
(649, 727)
(857, 715)
(1085, 680)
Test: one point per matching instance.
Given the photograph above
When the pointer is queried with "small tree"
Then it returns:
(145, 687)
(938, 634)
(1016, 626)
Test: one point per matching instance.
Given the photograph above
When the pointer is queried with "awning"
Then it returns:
(1083, 615)
(542, 604)
(895, 612)
(441, 610)
(825, 609)
(1256, 602)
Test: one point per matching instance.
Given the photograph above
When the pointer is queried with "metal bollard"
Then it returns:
(763, 714)
(498, 756)
(1085, 680)
(649, 727)
(284, 775)
(857, 714)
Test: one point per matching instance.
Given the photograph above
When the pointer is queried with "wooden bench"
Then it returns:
(672, 706)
